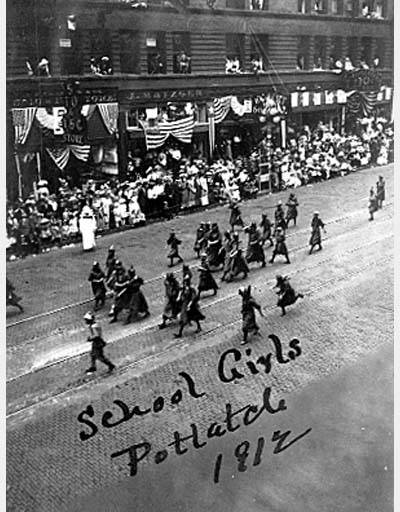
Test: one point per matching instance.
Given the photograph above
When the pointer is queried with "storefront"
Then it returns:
(62, 137)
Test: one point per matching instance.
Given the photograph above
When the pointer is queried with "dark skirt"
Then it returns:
(281, 248)
(171, 308)
(207, 282)
(173, 253)
(255, 253)
(99, 290)
(315, 238)
(288, 298)
(249, 321)
(238, 266)
(138, 303)
(213, 255)
(291, 213)
(191, 314)
(236, 219)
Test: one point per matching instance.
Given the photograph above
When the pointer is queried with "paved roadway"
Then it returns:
(347, 314)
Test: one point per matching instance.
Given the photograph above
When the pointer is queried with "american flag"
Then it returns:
(22, 121)
(60, 155)
(221, 108)
(182, 129)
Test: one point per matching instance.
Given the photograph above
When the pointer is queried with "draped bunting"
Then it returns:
(22, 121)
(61, 154)
(109, 114)
(221, 108)
(308, 99)
(362, 104)
(45, 119)
(238, 108)
(182, 129)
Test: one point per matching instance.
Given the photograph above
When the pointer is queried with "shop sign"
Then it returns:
(74, 123)
(65, 43)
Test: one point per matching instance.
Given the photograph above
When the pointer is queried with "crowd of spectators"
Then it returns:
(164, 183)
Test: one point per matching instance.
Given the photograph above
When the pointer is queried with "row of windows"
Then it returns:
(354, 8)
(153, 53)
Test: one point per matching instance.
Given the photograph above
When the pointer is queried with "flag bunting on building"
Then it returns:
(182, 129)
(22, 121)
(61, 154)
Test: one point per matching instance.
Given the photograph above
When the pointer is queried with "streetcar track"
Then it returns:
(207, 305)
(225, 298)
(290, 234)
(160, 353)
(148, 326)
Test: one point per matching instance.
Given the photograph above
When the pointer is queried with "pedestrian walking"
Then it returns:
(291, 213)
(186, 272)
(249, 305)
(238, 264)
(171, 307)
(280, 217)
(110, 262)
(380, 192)
(206, 279)
(280, 245)
(138, 306)
(214, 244)
(372, 203)
(287, 294)
(235, 218)
(227, 249)
(316, 226)
(174, 244)
(98, 344)
(200, 232)
(12, 298)
(189, 307)
(266, 229)
(121, 294)
(97, 278)
(255, 251)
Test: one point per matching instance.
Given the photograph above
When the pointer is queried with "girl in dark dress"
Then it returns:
(255, 251)
(316, 226)
(286, 293)
(96, 278)
(249, 305)
(190, 310)
(292, 205)
(171, 308)
(206, 279)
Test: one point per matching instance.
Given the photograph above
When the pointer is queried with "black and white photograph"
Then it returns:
(199, 209)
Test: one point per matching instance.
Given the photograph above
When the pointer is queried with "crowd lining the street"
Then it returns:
(163, 184)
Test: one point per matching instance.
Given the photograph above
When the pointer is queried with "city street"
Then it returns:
(344, 325)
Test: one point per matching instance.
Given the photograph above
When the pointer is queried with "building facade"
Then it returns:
(140, 57)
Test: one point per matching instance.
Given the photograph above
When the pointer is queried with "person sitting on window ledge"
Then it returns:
(183, 62)
(235, 67)
(300, 62)
(376, 62)
(257, 5)
(348, 65)
(318, 64)
(318, 7)
(257, 65)
(155, 64)
(43, 68)
(105, 67)
(365, 11)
